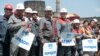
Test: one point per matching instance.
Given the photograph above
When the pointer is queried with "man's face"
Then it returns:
(63, 15)
(8, 12)
(20, 12)
(34, 15)
(77, 25)
(48, 14)
(29, 15)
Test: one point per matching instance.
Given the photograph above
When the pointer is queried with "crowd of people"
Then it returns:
(46, 29)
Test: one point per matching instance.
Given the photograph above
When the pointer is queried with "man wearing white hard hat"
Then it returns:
(35, 15)
(78, 34)
(28, 14)
(34, 51)
(20, 9)
(15, 23)
(29, 18)
(46, 28)
(63, 13)
(76, 22)
(95, 20)
(63, 26)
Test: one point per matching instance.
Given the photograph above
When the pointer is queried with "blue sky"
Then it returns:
(84, 8)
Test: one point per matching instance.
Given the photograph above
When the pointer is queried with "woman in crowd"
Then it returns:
(86, 32)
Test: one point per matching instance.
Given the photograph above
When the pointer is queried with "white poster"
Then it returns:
(89, 45)
(50, 49)
(67, 39)
(68, 42)
(23, 39)
(26, 41)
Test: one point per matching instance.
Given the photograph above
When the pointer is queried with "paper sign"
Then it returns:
(68, 42)
(89, 45)
(23, 39)
(26, 41)
(50, 49)
(68, 35)
(67, 39)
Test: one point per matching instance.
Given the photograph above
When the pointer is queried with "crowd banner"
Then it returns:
(90, 45)
(50, 49)
(67, 39)
(23, 39)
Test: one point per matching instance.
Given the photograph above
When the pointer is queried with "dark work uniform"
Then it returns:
(3, 30)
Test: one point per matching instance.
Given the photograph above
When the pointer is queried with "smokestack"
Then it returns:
(57, 7)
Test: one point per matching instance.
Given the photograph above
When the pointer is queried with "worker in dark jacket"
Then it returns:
(3, 29)
(34, 51)
(4, 35)
(28, 18)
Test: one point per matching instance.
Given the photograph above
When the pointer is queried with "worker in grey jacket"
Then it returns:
(63, 27)
(16, 21)
(46, 28)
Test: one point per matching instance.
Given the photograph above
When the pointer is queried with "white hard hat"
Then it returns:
(34, 12)
(76, 21)
(63, 10)
(95, 20)
(48, 8)
(20, 6)
(28, 10)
